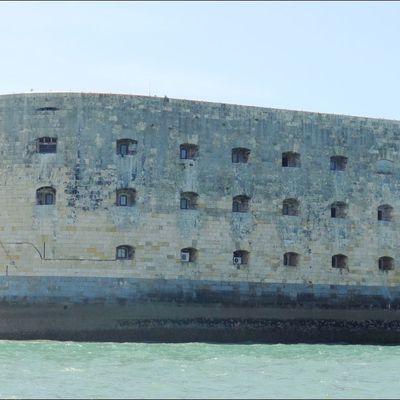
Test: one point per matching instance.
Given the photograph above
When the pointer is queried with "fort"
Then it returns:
(129, 217)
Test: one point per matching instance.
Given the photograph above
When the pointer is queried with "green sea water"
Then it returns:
(46, 369)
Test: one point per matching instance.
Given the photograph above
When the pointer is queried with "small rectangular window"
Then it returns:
(240, 155)
(184, 204)
(47, 145)
(285, 210)
(184, 154)
(338, 163)
(124, 149)
(123, 200)
(48, 199)
(121, 253)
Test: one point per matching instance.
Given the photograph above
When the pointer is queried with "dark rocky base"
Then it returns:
(138, 310)
(228, 331)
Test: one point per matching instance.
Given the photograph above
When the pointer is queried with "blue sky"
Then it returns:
(335, 57)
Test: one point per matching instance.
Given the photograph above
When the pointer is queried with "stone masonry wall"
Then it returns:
(78, 235)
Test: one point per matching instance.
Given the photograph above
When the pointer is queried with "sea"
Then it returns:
(73, 370)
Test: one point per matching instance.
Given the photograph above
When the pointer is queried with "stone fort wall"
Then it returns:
(79, 234)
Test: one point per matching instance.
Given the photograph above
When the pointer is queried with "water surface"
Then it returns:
(46, 369)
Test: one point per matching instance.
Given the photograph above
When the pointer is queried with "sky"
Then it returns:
(324, 56)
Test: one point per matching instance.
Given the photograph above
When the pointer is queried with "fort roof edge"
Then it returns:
(191, 101)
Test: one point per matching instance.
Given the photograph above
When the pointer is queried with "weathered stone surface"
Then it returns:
(86, 172)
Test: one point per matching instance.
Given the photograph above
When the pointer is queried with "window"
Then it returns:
(290, 159)
(240, 257)
(338, 210)
(339, 261)
(184, 203)
(189, 254)
(290, 207)
(45, 196)
(123, 200)
(188, 151)
(183, 153)
(188, 201)
(47, 109)
(49, 198)
(124, 252)
(291, 259)
(386, 263)
(385, 213)
(126, 197)
(46, 145)
(240, 204)
(240, 155)
(126, 147)
(338, 163)
(384, 167)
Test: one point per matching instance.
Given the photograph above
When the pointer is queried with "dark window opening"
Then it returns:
(126, 147)
(188, 201)
(49, 198)
(189, 254)
(291, 259)
(386, 263)
(290, 159)
(47, 109)
(126, 197)
(184, 204)
(188, 151)
(240, 155)
(240, 204)
(291, 207)
(339, 261)
(338, 163)
(338, 210)
(184, 153)
(123, 200)
(385, 213)
(240, 257)
(125, 252)
(46, 145)
(45, 196)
